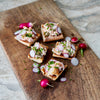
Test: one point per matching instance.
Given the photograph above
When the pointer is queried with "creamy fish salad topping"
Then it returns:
(38, 51)
(26, 34)
(64, 48)
(53, 67)
(51, 29)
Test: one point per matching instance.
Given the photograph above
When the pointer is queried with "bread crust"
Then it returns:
(28, 43)
(59, 56)
(52, 77)
(59, 37)
(39, 60)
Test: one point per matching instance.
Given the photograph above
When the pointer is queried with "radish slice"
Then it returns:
(59, 30)
(32, 53)
(67, 38)
(33, 31)
(54, 27)
(30, 40)
(18, 37)
(63, 79)
(42, 66)
(35, 65)
(60, 47)
(66, 55)
(17, 32)
(23, 32)
(73, 47)
(37, 45)
(75, 61)
(36, 70)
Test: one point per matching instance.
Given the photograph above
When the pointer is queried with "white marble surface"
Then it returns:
(85, 16)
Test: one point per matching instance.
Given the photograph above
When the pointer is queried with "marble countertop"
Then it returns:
(83, 14)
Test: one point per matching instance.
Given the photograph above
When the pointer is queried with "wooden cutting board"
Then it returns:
(83, 81)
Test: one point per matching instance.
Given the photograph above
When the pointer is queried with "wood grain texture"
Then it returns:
(83, 81)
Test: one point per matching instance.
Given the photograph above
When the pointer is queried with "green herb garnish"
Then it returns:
(51, 62)
(47, 28)
(49, 67)
(24, 61)
(25, 68)
(40, 8)
(38, 80)
(56, 67)
(70, 79)
(28, 35)
(52, 24)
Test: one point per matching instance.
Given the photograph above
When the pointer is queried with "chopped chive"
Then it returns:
(40, 8)
(47, 28)
(79, 39)
(39, 72)
(70, 79)
(38, 80)
(56, 67)
(71, 71)
(24, 61)
(51, 62)
(25, 68)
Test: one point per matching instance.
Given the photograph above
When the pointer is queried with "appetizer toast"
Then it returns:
(51, 32)
(65, 49)
(27, 36)
(53, 69)
(37, 53)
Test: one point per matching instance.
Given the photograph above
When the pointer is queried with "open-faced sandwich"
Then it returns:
(26, 36)
(37, 53)
(53, 69)
(65, 49)
(51, 31)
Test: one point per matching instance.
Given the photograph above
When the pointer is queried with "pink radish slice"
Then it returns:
(32, 53)
(29, 24)
(59, 30)
(19, 37)
(63, 79)
(67, 38)
(60, 47)
(33, 31)
(73, 47)
(75, 61)
(54, 27)
(66, 55)
(23, 32)
(30, 40)
(35, 65)
(42, 66)
(17, 32)
(36, 70)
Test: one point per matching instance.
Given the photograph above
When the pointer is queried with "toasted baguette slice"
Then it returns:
(52, 77)
(59, 56)
(39, 60)
(52, 38)
(28, 43)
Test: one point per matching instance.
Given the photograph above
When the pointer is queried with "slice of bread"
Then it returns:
(38, 60)
(52, 77)
(52, 38)
(60, 56)
(28, 43)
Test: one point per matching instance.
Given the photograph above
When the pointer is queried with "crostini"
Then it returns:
(27, 36)
(53, 69)
(51, 31)
(65, 50)
(37, 53)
